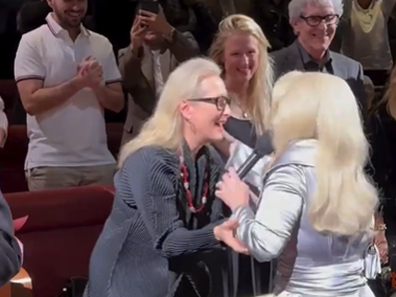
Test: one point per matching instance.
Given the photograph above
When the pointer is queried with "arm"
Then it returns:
(182, 45)
(130, 64)
(110, 94)
(3, 124)
(10, 254)
(29, 76)
(153, 184)
(266, 233)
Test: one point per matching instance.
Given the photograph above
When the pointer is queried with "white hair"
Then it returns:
(164, 128)
(320, 106)
(297, 7)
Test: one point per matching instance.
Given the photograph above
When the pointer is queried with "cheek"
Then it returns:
(331, 30)
(231, 64)
(254, 61)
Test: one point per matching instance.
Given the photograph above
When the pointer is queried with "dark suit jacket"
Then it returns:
(289, 59)
(10, 253)
(138, 79)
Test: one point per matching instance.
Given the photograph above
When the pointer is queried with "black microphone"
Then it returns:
(263, 147)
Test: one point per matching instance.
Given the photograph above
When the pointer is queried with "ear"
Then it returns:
(49, 3)
(295, 25)
(185, 109)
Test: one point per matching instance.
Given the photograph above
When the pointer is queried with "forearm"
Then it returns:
(184, 242)
(10, 258)
(263, 244)
(46, 99)
(181, 46)
(110, 99)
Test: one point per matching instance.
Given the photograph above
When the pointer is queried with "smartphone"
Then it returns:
(149, 5)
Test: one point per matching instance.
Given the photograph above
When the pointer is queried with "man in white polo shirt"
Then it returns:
(66, 76)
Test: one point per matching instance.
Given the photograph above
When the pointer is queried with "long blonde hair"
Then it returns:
(260, 86)
(390, 95)
(322, 106)
(164, 128)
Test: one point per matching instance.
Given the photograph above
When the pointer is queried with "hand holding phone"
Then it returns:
(155, 22)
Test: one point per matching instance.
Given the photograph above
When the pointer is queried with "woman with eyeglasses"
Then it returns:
(166, 219)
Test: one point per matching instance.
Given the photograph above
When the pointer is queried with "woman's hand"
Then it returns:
(232, 190)
(225, 233)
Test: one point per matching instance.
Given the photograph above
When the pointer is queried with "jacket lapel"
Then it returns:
(147, 67)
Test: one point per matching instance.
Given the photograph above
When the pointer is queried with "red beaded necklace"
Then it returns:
(186, 185)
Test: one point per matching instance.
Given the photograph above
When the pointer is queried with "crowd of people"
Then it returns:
(180, 224)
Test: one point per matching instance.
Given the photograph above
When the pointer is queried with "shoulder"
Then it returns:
(290, 177)
(122, 51)
(279, 53)
(344, 60)
(34, 38)
(150, 159)
(100, 41)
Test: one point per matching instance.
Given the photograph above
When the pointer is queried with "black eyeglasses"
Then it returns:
(221, 102)
(315, 20)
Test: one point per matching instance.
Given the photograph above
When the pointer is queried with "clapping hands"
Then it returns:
(90, 73)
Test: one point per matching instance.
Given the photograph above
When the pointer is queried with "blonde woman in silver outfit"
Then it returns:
(315, 212)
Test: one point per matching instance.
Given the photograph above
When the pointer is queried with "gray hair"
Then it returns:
(297, 7)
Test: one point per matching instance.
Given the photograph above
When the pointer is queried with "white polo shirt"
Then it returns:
(73, 134)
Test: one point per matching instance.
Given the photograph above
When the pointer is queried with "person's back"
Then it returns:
(311, 258)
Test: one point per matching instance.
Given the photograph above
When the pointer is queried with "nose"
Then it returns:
(322, 25)
(245, 60)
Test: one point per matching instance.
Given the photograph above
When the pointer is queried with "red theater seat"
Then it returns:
(12, 160)
(60, 233)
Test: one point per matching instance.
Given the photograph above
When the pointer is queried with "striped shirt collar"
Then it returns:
(55, 28)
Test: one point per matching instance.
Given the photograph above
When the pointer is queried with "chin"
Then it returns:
(217, 136)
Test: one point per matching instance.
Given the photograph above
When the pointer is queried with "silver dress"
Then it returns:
(308, 263)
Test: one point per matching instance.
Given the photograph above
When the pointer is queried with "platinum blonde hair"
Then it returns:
(297, 7)
(260, 86)
(164, 128)
(322, 106)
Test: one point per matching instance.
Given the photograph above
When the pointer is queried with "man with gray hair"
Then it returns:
(315, 23)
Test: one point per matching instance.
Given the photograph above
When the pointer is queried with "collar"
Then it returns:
(307, 59)
(55, 28)
(300, 152)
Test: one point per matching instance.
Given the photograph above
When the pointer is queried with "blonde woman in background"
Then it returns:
(240, 48)
(316, 210)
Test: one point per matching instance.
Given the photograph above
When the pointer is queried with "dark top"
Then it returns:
(10, 254)
(151, 244)
(246, 276)
(241, 130)
(382, 135)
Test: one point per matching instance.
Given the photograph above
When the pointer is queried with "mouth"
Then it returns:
(220, 124)
(244, 70)
(319, 36)
(74, 15)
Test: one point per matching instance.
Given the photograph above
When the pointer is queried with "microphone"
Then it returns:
(263, 147)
